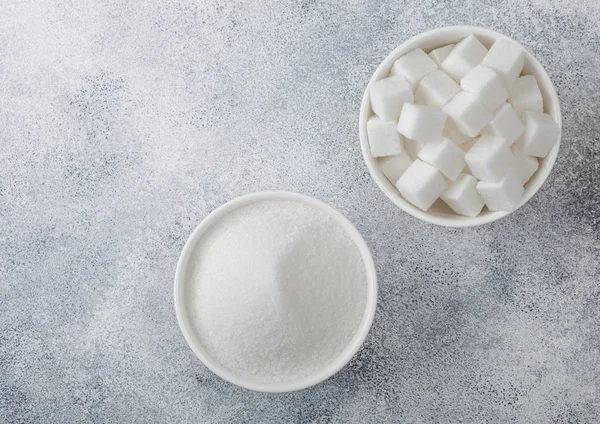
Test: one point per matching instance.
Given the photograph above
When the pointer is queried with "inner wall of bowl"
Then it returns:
(452, 35)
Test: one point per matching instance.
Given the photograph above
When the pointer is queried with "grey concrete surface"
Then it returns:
(124, 123)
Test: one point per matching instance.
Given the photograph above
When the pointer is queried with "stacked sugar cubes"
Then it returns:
(461, 124)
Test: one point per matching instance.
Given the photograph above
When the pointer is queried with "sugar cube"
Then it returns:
(421, 184)
(468, 113)
(541, 134)
(505, 124)
(445, 156)
(525, 95)
(502, 195)
(388, 95)
(384, 139)
(525, 166)
(438, 55)
(423, 123)
(490, 158)
(487, 84)
(462, 196)
(394, 166)
(466, 55)
(452, 132)
(436, 89)
(413, 147)
(413, 66)
(507, 59)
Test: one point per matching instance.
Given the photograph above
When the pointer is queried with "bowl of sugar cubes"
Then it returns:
(460, 126)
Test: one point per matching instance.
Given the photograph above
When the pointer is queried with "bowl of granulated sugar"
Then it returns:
(275, 291)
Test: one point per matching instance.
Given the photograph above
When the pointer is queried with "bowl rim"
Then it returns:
(457, 220)
(349, 351)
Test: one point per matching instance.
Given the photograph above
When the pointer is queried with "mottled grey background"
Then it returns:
(124, 123)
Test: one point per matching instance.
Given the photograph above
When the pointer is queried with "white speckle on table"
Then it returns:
(123, 124)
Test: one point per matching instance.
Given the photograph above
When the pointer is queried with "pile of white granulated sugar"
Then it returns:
(276, 291)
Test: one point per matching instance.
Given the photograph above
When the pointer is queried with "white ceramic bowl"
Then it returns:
(212, 363)
(439, 213)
